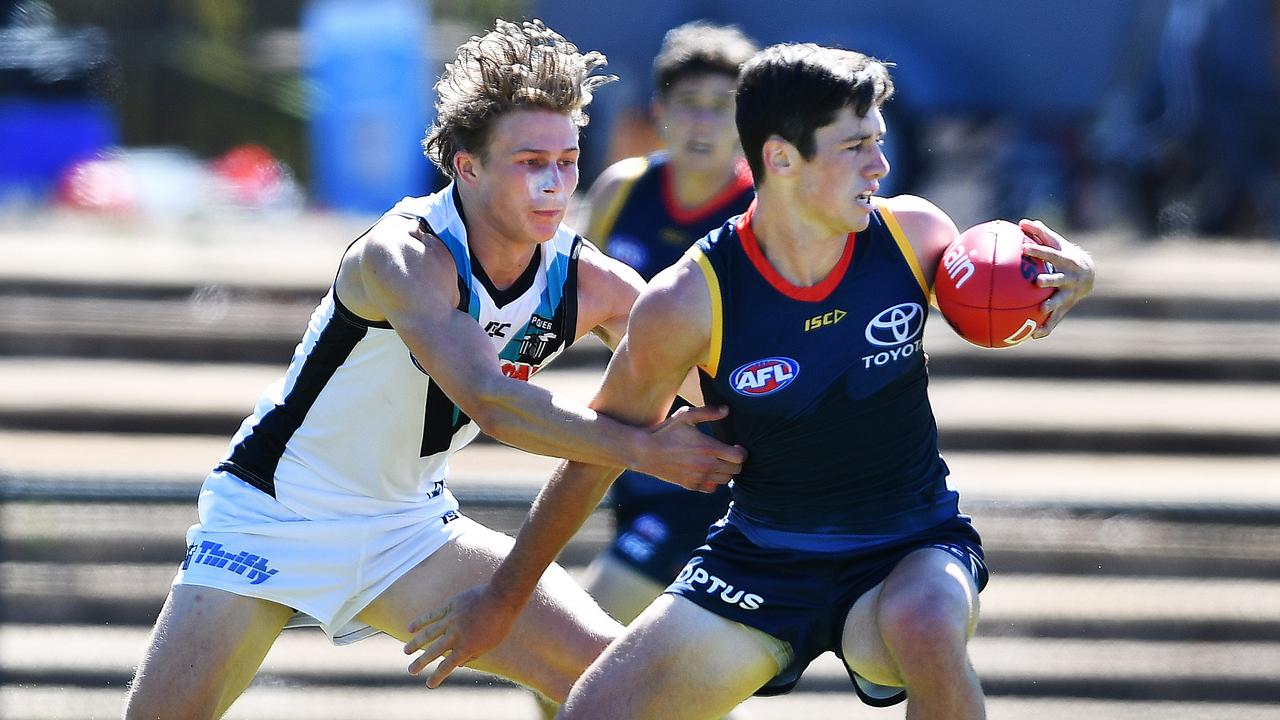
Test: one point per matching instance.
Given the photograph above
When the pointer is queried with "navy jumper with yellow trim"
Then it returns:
(827, 389)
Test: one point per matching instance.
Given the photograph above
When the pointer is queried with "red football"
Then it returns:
(986, 287)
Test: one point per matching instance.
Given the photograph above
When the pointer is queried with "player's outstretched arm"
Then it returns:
(1073, 272)
(667, 336)
(400, 275)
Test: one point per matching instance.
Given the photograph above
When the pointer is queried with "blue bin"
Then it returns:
(366, 65)
(40, 139)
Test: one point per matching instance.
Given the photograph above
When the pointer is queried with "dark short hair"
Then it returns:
(700, 48)
(512, 67)
(791, 90)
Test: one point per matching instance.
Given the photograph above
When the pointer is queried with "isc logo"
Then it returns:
(763, 377)
(823, 320)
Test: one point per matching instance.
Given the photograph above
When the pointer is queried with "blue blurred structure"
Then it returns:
(51, 115)
(1031, 62)
(1171, 104)
(366, 63)
(1191, 140)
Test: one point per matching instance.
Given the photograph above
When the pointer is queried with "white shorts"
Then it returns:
(329, 570)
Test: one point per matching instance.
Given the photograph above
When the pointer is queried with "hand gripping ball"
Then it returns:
(986, 288)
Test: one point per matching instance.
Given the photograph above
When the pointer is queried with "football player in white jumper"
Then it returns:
(331, 505)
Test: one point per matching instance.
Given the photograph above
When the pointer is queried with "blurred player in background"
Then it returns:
(332, 500)
(646, 212)
(844, 534)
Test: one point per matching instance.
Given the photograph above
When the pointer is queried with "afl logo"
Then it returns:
(764, 377)
(896, 325)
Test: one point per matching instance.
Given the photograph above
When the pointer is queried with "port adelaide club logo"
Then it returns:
(764, 377)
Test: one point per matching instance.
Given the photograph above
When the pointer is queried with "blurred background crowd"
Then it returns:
(1155, 117)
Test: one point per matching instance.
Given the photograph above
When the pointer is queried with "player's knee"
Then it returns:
(554, 676)
(573, 655)
(928, 620)
(581, 704)
(589, 705)
(552, 691)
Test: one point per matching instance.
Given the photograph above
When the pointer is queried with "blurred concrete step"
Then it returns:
(1121, 670)
(296, 252)
(242, 290)
(102, 533)
(303, 252)
(213, 325)
(1017, 539)
(1112, 299)
(1122, 348)
(170, 468)
(974, 414)
(268, 702)
(206, 327)
(1014, 605)
(271, 699)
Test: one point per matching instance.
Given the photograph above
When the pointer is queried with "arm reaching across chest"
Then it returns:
(668, 335)
(402, 275)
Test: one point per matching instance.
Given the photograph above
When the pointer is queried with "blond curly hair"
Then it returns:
(508, 68)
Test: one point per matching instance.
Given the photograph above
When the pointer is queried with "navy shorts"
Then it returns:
(802, 598)
(659, 525)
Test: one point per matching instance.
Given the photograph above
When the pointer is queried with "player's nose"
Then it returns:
(879, 166)
(553, 181)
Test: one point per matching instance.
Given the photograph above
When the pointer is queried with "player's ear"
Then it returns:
(465, 166)
(656, 106)
(779, 155)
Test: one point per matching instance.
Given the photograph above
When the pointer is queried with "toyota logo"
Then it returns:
(896, 325)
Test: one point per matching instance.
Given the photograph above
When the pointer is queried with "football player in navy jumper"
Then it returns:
(844, 533)
(647, 211)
